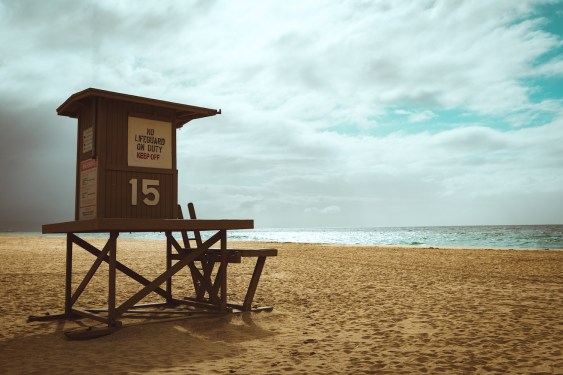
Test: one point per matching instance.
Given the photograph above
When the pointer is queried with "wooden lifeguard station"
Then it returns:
(126, 154)
(127, 181)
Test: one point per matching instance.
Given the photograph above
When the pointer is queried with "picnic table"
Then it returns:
(211, 294)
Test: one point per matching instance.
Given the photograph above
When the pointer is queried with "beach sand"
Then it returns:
(337, 310)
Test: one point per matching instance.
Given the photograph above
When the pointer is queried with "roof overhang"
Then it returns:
(184, 113)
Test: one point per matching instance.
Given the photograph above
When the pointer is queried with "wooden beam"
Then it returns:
(160, 312)
(237, 308)
(168, 273)
(89, 315)
(203, 304)
(140, 306)
(111, 277)
(193, 216)
(232, 256)
(43, 318)
(222, 272)
(68, 278)
(184, 233)
(91, 272)
(253, 283)
(120, 266)
(105, 225)
(168, 266)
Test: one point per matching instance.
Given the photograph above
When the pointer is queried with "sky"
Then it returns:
(334, 113)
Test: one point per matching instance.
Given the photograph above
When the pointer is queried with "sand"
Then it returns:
(337, 310)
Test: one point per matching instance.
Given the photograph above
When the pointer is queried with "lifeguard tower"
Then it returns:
(127, 181)
(126, 154)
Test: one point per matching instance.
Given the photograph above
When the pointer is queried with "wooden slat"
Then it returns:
(144, 225)
(125, 168)
(193, 216)
(185, 237)
(102, 148)
(248, 253)
(257, 252)
(232, 257)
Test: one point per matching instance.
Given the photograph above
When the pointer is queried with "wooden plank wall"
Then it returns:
(114, 189)
(85, 121)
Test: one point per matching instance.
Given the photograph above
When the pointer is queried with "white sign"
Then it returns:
(149, 143)
(87, 140)
(88, 189)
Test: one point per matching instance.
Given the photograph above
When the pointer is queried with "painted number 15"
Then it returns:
(148, 189)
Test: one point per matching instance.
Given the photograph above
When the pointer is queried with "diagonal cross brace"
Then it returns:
(120, 266)
(102, 254)
(203, 281)
(221, 235)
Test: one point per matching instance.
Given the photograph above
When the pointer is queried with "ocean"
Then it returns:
(491, 236)
(513, 236)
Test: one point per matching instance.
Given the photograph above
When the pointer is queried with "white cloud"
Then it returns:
(416, 116)
(284, 73)
(550, 68)
(324, 211)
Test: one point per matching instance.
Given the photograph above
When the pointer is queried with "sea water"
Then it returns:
(502, 236)
(517, 236)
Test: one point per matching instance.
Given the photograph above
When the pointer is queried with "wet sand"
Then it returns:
(337, 309)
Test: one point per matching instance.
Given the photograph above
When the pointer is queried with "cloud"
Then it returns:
(448, 54)
(329, 210)
(416, 116)
(285, 76)
(402, 176)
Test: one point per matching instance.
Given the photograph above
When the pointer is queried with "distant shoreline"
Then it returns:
(254, 243)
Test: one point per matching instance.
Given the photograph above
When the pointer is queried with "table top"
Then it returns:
(145, 225)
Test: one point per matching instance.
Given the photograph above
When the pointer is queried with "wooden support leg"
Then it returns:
(222, 273)
(196, 276)
(111, 278)
(168, 266)
(68, 284)
(196, 281)
(253, 283)
(212, 286)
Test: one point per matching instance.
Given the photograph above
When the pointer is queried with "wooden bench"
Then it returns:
(206, 285)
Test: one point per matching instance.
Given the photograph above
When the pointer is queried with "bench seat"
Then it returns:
(233, 255)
